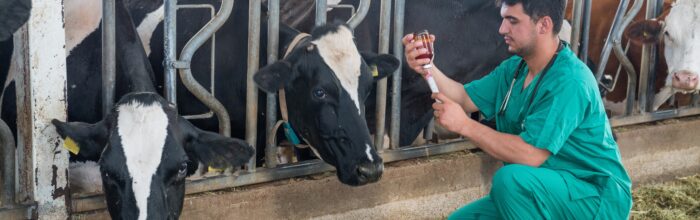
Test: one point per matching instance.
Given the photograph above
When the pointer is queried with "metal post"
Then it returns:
(252, 90)
(212, 61)
(647, 64)
(576, 26)
(607, 48)
(186, 73)
(273, 25)
(361, 13)
(384, 25)
(170, 41)
(321, 12)
(43, 98)
(399, 13)
(622, 57)
(651, 95)
(108, 56)
(586, 27)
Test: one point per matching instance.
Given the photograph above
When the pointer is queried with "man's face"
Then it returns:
(518, 29)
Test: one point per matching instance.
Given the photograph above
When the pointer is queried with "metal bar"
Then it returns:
(427, 150)
(90, 203)
(583, 54)
(45, 89)
(23, 165)
(212, 63)
(344, 6)
(252, 90)
(395, 127)
(647, 65)
(273, 27)
(170, 47)
(384, 28)
(362, 10)
(7, 142)
(428, 130)
(607, 48)
(108, 55)
(321, 6)
(622, 57)
(654, 116)
(576, 25)
(186, 73)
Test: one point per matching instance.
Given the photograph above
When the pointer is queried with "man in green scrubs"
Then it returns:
(560, 159)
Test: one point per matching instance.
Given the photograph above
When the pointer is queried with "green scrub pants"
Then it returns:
(524, 192)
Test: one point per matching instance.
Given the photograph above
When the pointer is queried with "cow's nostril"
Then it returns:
(363, 171)
(369, 172)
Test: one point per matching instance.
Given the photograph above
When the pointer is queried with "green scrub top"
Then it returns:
(567, 118)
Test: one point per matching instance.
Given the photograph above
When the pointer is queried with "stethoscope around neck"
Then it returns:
(544, 71)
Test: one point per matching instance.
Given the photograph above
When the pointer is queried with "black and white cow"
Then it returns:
(468, 46)
(334, 132)
(326, 102)
(144, 148)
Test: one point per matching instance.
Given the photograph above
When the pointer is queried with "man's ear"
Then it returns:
(273, 77)
(645, 32)
(212, 149)
(386, 64)
(83, 139)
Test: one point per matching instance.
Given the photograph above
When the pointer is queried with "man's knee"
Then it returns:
(512, 179)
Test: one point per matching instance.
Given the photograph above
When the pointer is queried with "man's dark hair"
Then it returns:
(537, 9)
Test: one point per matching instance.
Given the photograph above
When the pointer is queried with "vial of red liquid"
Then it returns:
(424, 38)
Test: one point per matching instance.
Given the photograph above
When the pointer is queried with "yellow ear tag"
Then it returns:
(375, 72)
(70, 144)
(212, 170)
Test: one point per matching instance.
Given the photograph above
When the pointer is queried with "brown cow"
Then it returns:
(683, 80)
(678, 28)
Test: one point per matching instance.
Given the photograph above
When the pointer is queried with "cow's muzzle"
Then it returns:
(685, 80)
(369, 172)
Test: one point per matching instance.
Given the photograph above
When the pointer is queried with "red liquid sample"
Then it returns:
(424, 37)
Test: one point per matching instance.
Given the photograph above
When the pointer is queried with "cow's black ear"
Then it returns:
(274, 76)
(212, 149)
(386, 64)
(83, 139)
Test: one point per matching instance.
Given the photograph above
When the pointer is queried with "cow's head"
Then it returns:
(327, 81)
(680, 32)
(145, 151)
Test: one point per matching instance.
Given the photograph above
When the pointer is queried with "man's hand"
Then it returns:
(412, 49)
(449, 114)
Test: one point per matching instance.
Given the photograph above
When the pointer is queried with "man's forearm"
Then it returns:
(452, 89)
(505, 147)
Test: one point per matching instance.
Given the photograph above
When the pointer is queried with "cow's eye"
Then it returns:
(319, 93)
(182, 172)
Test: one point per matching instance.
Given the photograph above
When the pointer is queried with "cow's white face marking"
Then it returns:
(367, 151)
(142, 129)
(148, 26)
(682, 43)
(338, 50)
(82, 17)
